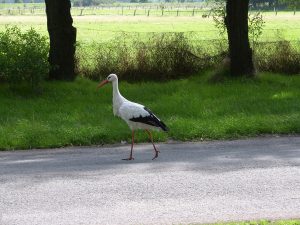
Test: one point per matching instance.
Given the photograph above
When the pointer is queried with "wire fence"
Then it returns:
(106, 10)
(138, 10)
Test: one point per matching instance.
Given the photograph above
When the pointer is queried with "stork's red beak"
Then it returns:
(102, 83)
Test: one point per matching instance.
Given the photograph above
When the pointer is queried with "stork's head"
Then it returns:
(110, 78)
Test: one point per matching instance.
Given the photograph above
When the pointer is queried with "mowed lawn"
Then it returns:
(75, 113)
(103, 28)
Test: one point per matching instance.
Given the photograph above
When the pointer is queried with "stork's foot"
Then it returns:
(130, 158)
(156, 154)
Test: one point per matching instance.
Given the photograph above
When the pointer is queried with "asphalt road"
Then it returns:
(189, 183)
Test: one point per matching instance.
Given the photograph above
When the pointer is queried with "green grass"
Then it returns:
(285, 26)
(263, 222)
(106, 27)
(21, 5)
(194, 109)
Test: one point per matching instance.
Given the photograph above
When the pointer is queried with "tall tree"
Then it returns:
(62, 39)
(241, 62)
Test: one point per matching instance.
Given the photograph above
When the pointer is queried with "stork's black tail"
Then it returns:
(156, 121)
(151, 120)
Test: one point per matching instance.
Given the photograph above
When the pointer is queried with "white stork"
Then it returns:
(135, 115)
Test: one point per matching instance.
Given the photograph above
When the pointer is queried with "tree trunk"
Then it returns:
(62, 40)
(241, 62)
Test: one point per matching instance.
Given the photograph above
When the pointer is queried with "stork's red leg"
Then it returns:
(156, 151)
(132, 142)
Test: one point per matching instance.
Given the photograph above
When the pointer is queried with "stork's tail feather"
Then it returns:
(163, 126)
(156, 122)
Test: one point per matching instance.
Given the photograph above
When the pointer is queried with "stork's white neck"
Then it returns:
(118, 99)
(116, 92)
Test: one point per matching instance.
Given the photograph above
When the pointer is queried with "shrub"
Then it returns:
(158, 57)
(166, 56)
(23, 57)
(278, 57)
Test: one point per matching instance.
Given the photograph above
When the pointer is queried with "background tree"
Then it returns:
(293, 4)
(241, 62)
(267, 4)
(62, 39)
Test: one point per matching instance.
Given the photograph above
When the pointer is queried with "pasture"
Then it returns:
(101, 28)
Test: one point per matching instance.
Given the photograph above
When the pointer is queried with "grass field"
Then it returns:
(194, 109)
(18, 5)
(103, 28)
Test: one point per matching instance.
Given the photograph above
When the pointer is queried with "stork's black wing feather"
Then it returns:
(151, 120)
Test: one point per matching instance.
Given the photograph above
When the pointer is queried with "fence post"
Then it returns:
(134, 12)
(193, 11)
(275, 10)
(162, 12)
(294, 10)
(209, 13)
(177, 12)
(81, 12)
(148, 12)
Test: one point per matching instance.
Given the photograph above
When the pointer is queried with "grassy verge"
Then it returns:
(263, 222)
(194, 109)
